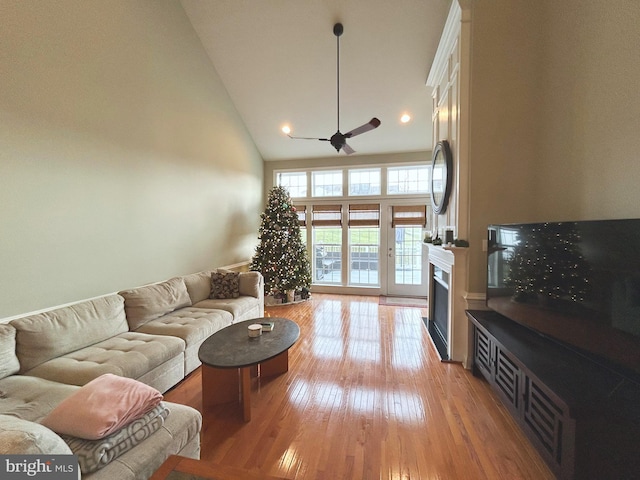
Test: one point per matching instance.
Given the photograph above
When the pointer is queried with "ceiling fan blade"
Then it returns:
(309, 138)
(373, 123)
(347, 149)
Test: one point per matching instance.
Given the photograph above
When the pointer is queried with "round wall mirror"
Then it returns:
(441, 174)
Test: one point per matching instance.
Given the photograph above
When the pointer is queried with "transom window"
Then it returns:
(371, 181)
(327, 183)
(294, 182)
(408, 180)
(364, 181)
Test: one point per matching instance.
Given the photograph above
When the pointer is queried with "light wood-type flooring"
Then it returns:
(365, 397)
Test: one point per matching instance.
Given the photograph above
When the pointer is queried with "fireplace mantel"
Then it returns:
(453, 261)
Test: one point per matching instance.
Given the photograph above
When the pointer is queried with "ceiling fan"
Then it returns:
(338, 139)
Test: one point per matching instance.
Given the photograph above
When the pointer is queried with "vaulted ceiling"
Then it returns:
(277, 60)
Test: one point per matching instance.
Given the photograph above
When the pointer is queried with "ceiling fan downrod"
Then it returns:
(339, 140)
(337, 31)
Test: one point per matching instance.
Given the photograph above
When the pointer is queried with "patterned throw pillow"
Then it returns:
(225, 285)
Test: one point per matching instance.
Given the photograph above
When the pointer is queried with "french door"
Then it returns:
(406, 262)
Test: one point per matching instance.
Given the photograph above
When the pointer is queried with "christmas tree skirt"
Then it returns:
(270, 301)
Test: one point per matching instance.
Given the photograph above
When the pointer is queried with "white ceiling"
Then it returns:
(277, 59)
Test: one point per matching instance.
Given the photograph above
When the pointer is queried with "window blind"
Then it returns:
(408, 215)
(327, 216)
(364, 215)
(301, 210)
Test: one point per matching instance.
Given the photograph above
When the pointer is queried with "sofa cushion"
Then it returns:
(190, 324)
(51, 334)
(251, 284)
(242, 308)
(147, 303)
(22, 437)
(101, 407)
(225, 285)
(31, 398)
(9, 363)
(198, 285)
(130, 354)
(178, 436)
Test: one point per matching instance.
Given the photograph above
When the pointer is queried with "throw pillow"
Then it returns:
(225, 285)
(102, 406)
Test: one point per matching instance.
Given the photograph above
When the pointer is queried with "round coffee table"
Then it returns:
(229, 356)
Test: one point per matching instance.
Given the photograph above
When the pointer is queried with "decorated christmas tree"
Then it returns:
(281, 256)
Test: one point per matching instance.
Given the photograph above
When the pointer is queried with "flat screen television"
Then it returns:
(575, 282)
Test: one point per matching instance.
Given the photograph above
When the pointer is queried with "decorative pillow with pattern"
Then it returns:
(225, 285)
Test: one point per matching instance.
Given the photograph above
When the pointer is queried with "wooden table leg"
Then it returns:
(245, 392)
(219, 385)
(275, 366)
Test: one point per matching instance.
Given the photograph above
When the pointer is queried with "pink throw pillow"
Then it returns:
(102, 406)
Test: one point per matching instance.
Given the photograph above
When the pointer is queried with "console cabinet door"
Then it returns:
(483, 353)
(508, 378)
(548, 422)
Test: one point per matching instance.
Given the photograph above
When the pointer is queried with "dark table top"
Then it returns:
(231, 347)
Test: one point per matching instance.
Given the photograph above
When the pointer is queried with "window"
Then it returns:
(301, 210)
(408, 221)
(364, 244)
(364, 181)
(327, 184)
(413, 179)
(294, 182)
(327, 243)
(408, 180)
(341, 221)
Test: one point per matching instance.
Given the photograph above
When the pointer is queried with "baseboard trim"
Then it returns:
(476, 301)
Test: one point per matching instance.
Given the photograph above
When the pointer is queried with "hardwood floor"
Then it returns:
(366, 397)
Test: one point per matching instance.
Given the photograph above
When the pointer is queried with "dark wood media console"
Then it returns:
(583, 417)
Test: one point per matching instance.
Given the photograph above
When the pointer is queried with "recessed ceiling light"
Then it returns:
(405, 118)
(286, 129)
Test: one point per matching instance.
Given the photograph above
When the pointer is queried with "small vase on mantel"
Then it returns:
(291, 295)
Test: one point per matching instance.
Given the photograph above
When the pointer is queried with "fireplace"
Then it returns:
(439, 319)
(447, 323)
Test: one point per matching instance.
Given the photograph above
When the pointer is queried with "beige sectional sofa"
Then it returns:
(151, 334)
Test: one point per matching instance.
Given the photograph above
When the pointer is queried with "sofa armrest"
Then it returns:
(22, 437)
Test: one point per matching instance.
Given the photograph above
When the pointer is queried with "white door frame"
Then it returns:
(390, 285)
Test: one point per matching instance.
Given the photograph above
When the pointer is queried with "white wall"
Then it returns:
(555, 114)
(122, 159)
(590, 144)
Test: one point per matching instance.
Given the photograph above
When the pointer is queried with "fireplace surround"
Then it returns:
(447, 322)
